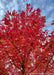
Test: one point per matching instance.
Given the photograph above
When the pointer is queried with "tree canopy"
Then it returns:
(25, 49)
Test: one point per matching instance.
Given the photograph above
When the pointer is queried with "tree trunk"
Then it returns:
(23, 69)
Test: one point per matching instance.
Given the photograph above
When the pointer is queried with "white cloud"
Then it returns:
(49, 8)
(4, 0)
(1, 5)
(12, 5)
(1, 10)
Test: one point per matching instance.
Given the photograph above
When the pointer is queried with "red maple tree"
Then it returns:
(25, 49)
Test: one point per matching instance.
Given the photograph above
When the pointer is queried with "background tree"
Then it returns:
(25, 49)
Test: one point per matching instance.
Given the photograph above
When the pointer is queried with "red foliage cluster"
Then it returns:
(25, 49)
(52, 22)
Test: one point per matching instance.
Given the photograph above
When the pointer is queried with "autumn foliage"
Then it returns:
(25, 49)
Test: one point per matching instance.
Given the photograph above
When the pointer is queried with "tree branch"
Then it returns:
(9, 56)
(34, 68)
(15, 46)
(48, 65)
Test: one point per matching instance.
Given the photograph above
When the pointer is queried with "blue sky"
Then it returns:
(46, 6)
